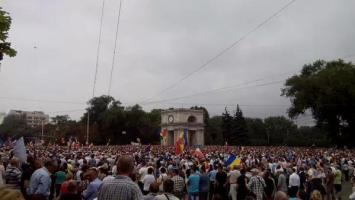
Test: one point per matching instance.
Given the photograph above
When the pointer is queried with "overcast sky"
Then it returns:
(160, 42)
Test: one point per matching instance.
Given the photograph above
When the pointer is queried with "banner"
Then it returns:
(20, 150)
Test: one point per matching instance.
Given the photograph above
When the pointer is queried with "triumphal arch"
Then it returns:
(187, 123)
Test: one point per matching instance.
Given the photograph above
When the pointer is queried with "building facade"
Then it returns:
(32, 118)
(183, 121)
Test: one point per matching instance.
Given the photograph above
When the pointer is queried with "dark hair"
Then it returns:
(194, 168)
(50, 163)
(168, 186)
(125, 164)
(154, 187)
(203, 169)
(150, 170)
(163, 170)
(72, 187)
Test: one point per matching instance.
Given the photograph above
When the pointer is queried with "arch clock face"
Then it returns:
(170, 119)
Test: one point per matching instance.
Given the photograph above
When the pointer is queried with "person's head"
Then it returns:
(125, 165)
(91, 174)
(175, 171)
(242, 171)
(10, 194)
(168, 186)
(203, 169)
(266, 174)
(72, 187)
(150, 170)
(163, 170)
(50, 165)
(220, 168)
(14, 162)
(154, 187)
(279, 195)
(316, 195)
(193, 168)
(69, 176)
(254, 172)
(293, 170)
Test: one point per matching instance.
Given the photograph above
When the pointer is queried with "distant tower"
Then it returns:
(176, 121)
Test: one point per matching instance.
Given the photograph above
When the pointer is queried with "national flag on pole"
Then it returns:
(20, 150)
(233, 160)
(180, 144)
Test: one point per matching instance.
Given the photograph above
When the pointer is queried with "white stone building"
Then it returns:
(32, 118)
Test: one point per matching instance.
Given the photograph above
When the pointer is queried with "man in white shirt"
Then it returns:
(147, 180)
(294, 184)
(142, 172)
(233, 176)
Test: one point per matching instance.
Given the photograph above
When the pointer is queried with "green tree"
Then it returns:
(227, 125)
(327, 89)
(239, 133)
(13, 126)
(256, 131)
(214, 133)
(278, 129)
(5, 46)
(98, 106)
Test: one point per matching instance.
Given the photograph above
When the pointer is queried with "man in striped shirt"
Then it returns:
(122, 187)
(179, 184)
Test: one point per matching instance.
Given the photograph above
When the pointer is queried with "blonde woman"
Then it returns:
(316, 195)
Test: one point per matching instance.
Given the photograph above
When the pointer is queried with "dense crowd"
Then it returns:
(157, 173)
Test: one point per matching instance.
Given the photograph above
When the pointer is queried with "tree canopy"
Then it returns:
(5, 46)
(327, 89)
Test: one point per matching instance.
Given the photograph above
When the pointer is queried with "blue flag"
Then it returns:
(230, 160)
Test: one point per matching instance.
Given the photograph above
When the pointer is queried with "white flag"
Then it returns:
(20, 150)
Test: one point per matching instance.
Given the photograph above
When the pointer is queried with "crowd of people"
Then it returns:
(147, 172)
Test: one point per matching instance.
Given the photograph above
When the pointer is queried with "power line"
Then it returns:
(96, 69)
(114, 50)
(223, 51)
(222, 104)
(229, 87)
(214, 90)
(98, 47)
